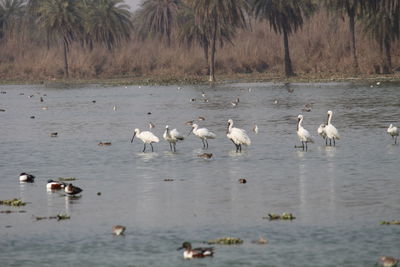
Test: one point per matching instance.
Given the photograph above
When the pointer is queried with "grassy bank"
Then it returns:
(203, 80)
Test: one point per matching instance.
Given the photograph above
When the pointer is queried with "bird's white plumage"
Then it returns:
(237, 135)
(172, 136)
(321, 130)
(392, 130)
(146, 136)
(255, 128)
(330, 130)
(302, 133)
(202, 133)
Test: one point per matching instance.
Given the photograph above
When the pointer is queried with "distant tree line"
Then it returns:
(207, 23)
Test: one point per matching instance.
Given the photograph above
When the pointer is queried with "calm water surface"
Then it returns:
(338, 194)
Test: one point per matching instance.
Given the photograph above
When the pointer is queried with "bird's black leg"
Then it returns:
(334, 144)
(237, 148)
(207, 143)
(330, 142)
(306, 146)
(240, 147)
(170, 146)
(174, 147)
(204, 145)
(395, 140)
(144, 148)
(326, 141)
(152, 150)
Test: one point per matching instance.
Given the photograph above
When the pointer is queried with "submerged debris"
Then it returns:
(13, 202)
(394, 222)
(168, 180)
(242, 181)
(260, 241)
(225, 241)
(284, 216)
(66, 179)
(58, 217)
(104, 144)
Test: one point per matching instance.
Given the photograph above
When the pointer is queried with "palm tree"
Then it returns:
(216, 16)
(285, 17)
(382, 21)
(107, 21)
(61, 18)
(10, 12)
(190, 32)
(353, 9)
(157, 17)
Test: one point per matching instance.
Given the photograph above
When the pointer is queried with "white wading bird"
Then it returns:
(147, 138)
(238, 136)
(394, 132)
(303, 134)
(203, 133)
(321, 132)
(172, 137)
(330, 130)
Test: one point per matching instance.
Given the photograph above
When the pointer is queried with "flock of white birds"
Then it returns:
(239, 136)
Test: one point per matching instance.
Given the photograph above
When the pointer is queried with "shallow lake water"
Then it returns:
(339, 195)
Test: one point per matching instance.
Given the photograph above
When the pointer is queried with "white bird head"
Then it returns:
(230, 122)
(391, 125)
(300, 117)
(135, 132)
(166, 126)
(194, 126)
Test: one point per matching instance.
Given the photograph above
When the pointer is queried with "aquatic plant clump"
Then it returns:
(13, 202)
(394, 222)
(284, 216)
(225, 241)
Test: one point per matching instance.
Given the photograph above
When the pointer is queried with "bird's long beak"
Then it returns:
(298, 121)
(179, 248)
(327, 120)
(190, 132)
(133, 137)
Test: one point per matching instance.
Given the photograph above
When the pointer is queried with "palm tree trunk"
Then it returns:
(205, 50)
(213, 49)
(288, 62)
(353, 42)
(66, 59)
(387, 65)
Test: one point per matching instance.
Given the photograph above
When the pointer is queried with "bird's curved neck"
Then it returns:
(229, 128)
(299, 123)
(329, 119)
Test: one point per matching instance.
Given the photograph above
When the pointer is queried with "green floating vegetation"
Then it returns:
(283, 216)
(63, 217)
(394, 222)
(13, 202)
(225, 241)
(64, 179)
(12, 211)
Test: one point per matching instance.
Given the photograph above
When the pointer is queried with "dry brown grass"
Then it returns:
(321, 48)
